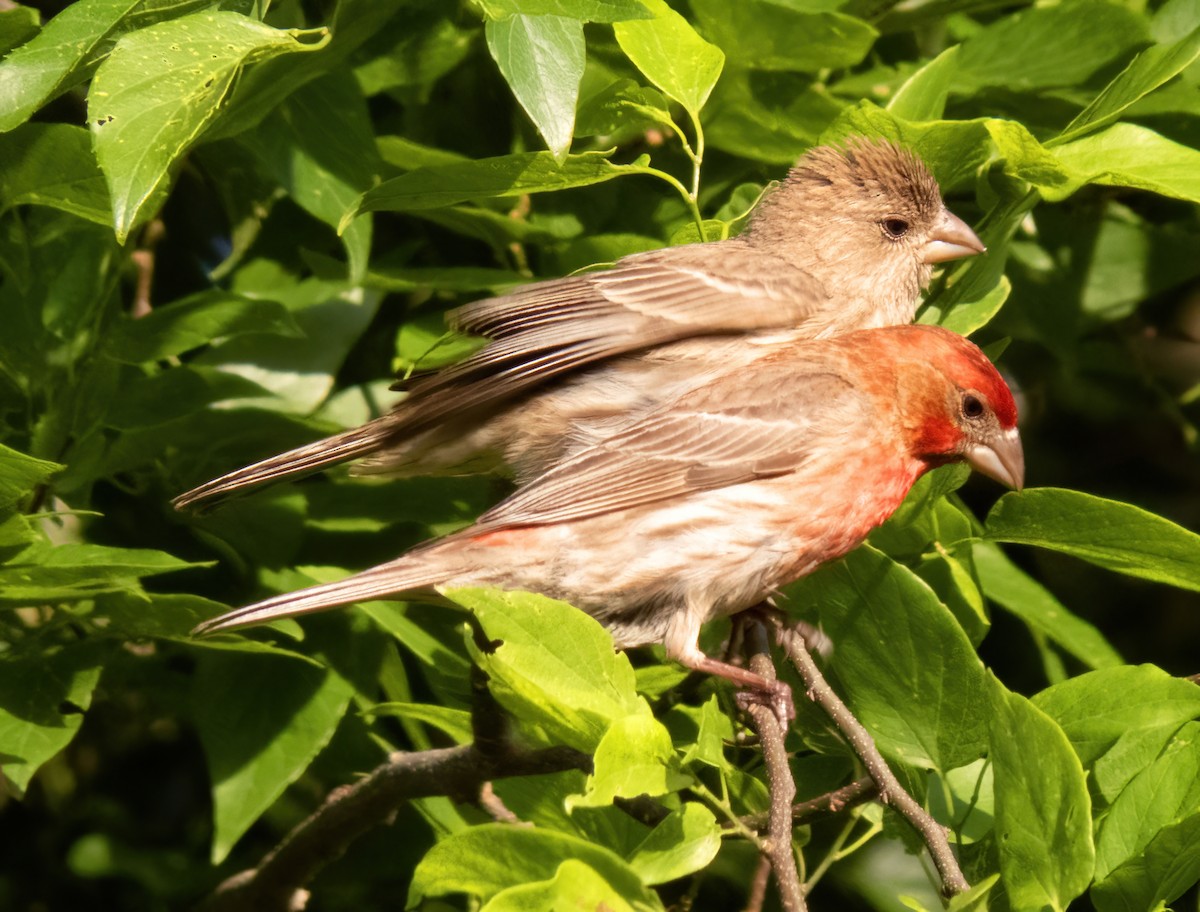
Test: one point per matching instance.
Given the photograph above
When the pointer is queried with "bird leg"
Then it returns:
(682, 646)
(757, 690)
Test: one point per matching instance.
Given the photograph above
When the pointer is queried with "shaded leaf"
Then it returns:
(193, 322)
(257, 748)
(1116, 536)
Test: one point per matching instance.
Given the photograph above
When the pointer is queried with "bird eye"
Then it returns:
(972, 407)
(894, 227)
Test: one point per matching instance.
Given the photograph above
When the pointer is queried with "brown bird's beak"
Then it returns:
(1001, 459)
(951, 239)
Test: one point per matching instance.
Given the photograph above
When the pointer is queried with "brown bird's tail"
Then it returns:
(301, 461)
(413, 572)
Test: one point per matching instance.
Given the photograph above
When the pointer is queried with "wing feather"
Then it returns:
(645, 300)
(721, 434)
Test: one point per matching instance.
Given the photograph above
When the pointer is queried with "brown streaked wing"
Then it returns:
(645, 301)
(722, 434)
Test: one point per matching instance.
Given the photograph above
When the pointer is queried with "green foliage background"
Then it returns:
(313, 183)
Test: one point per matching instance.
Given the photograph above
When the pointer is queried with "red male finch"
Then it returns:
(704, 506)
(846, 242)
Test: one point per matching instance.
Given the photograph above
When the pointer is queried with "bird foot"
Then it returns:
(775, 695)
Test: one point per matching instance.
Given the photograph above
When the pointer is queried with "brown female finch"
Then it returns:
(846, 242)
(706, 505)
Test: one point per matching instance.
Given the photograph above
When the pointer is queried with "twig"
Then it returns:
(463, 773)
(834, 802)
(758, 886)
(778, 844)
(890, 790)
(143, 261)
(276, 885)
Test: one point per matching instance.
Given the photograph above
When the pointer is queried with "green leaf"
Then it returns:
(583, 10)
(574, 884)
(769, 35)
(1145, 73)
(505, 175)
(298, 372)
(771, 117)
(1043, 813)
(1010, 587)
(635, 757)
(454, 722)
(923, 95)
(684, 843)
(319, 146)
(1124, 155)
(965, 317)
(77, 570)
(161, 88)
(1110, 534)
(455, 278)
(66, 51)
(905, 666)
(486, 859)
(1164, 793)
(193, 322)
(671, 55)
(715, 729)
(53, 165)
(261, 721)
(1047, 46)
(1168, 867)
(1119, 719)
(407, 154)
(1128, 155)
(20, 474)
(622, 107)
(425, 344)
(542, 59)
(17, 26)
(555, 665)
(43, 698)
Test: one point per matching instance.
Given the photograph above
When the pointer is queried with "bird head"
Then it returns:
(876, 215)
(955, 405)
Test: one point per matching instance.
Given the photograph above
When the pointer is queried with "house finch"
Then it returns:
(706, 505)
(845, 242)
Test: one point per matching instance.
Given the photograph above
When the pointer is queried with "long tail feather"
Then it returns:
(301, 461)
(405, 574)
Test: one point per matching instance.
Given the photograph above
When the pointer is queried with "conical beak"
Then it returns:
(951, 239)
(1001, 459)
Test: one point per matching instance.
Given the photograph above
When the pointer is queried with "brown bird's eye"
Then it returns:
(972, 407)
(895, 228)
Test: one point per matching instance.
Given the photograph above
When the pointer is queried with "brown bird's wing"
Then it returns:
(645, 300)
(759, 423)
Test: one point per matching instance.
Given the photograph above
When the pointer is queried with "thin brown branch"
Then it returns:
(890, 790)
(277, 884)
(143, 261)
(758, 886)
(778, 844)
(857, 792)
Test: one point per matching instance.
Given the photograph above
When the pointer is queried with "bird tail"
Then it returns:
(412, 572)
(301, 461)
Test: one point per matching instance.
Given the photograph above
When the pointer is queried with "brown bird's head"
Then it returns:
(953, 404)
(868, 221)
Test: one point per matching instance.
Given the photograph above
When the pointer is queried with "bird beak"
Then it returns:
(1002, 459)
(950, 239)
